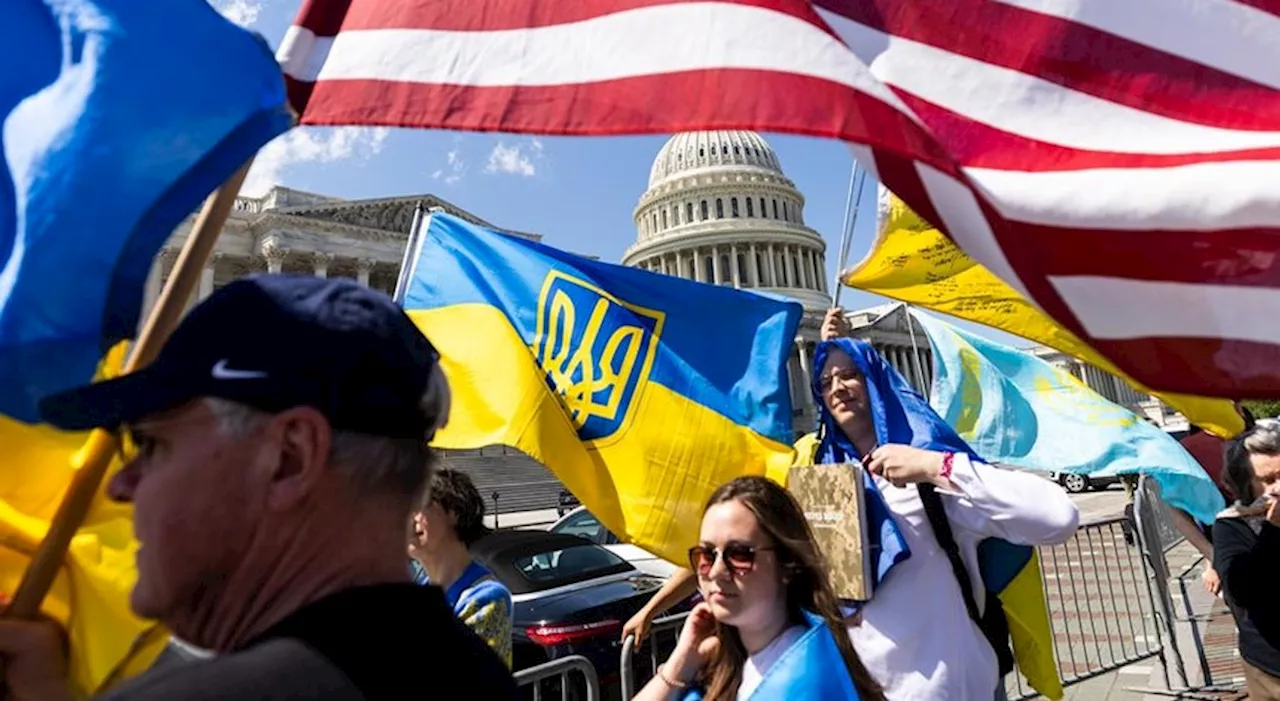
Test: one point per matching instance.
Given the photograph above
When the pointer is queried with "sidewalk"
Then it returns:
(1215, 629)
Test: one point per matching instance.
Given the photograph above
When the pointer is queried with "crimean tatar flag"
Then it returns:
(913, 262)
(1016, 409)
(642, 392)
(1114, 170)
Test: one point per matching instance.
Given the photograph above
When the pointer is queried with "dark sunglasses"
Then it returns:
(740, 558)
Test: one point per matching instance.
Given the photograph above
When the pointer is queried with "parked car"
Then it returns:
(571, 597)
(581, 522)
(566, 503)
(1076, 483)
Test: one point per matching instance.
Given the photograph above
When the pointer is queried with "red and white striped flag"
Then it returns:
(1116, 162)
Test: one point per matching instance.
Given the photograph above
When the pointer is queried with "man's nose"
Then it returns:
(124, 483)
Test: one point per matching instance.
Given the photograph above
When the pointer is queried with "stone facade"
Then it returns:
(299, 232)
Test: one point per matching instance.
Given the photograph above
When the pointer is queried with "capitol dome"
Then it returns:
(719, 209)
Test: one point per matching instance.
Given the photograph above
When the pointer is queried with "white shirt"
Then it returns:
(916, 637)
(758, 664)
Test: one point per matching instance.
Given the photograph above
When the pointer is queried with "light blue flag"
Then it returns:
(119, 117)
(1016, 409)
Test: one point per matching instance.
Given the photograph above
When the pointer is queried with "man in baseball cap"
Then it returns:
(278, 442)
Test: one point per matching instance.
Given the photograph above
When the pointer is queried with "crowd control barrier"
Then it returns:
(558, 675)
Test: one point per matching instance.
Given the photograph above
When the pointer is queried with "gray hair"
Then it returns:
(1262, 439)
(376, 463)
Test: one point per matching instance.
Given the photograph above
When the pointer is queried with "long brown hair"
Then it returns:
(808, 588)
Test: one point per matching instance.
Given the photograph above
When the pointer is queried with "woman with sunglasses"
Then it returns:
(769, 626)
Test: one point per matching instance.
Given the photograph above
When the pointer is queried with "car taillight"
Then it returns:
(561, 633)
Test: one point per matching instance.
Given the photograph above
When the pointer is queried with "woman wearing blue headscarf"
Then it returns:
(916, 635)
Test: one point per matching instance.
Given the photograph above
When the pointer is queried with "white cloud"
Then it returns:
(455, 167)
(515, 160)
(242, 12)
(311, 145)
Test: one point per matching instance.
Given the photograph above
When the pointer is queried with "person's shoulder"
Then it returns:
(283, 668)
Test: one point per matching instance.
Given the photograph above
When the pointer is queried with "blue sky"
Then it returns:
(577, 192)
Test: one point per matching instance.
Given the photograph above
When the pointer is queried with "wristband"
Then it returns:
(947, 463)
(673, 683)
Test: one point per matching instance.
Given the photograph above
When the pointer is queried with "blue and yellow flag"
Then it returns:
(1016, 409)
(642, 392)
(119, 117)
(90, 597)
(914, 262)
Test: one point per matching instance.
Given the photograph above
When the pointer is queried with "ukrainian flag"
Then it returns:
(90, 597)
(642, 392)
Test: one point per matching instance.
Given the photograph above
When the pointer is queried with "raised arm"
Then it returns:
(677, 588)
(1019, 507)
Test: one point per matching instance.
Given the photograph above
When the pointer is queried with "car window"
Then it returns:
(577, 563)
(584, 524)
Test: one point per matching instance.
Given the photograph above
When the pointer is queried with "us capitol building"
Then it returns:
(718, 209)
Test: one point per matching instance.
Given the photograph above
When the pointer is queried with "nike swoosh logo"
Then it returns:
(222, 372)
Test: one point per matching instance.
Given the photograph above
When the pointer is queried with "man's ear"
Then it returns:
(305, 440)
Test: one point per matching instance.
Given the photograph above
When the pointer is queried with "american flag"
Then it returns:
(1116, 161)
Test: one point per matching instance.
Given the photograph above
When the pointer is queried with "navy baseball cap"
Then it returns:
(275, 342)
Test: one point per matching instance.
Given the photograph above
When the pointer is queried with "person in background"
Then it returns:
(917, 634)
(769, 626)
(1246, 539)
(1208, 450)
(279, 438)
(446, 523)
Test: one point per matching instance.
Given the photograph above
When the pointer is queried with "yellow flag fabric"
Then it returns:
(914, 262)
(91, 595)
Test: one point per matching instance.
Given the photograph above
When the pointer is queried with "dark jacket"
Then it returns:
(1249, 564)
(390, 641)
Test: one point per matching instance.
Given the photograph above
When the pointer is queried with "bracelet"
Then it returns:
(674, 684)
(947, 460)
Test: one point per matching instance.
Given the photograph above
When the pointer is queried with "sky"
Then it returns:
(577, 192)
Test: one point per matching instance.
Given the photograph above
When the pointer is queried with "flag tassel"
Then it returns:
(102, 445)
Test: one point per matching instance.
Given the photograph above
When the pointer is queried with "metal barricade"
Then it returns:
(1101, 607)
(661, 640)
(561, 671)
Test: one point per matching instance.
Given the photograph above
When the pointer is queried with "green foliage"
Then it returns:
(1263, 408)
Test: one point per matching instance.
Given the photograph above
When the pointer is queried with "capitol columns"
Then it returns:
(753, 271)
(273, 250)
(733, 264)
(206, 276)
(802, 347)
(364, 266)
(773, 267)
(716, 275)
(164, 260)
(320, 263)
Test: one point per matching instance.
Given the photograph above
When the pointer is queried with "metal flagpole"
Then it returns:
(915, 351)
(856, 177)
(410, 258)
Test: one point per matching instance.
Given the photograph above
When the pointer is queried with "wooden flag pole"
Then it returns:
(97, 452)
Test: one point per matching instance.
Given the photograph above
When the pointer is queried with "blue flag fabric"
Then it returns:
(119, 117)
(812, 669)
(1016, 409)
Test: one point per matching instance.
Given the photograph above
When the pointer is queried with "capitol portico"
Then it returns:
(719, 209)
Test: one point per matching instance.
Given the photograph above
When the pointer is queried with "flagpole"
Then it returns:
(95, 457)
(410, 246)
(846, 233)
